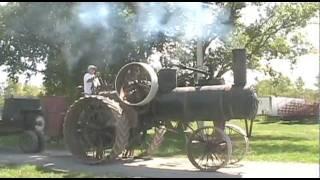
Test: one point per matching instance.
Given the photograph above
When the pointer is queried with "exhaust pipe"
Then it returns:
(239, 67)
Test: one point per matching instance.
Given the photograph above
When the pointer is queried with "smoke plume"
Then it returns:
(189, 20)
(94, 30)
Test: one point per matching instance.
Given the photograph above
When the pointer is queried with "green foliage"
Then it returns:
(269, 39)
(34, 32)
(48, 33)
(32, 171)
(17, 89)
(299, 84)
(279, 141)
(274, 36)
(282, 86)
(11, 171)
(56, 69)
(21, 49)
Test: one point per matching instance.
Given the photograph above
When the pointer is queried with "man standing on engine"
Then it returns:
(89, 80)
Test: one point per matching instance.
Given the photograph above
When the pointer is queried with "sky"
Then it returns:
(307, 66)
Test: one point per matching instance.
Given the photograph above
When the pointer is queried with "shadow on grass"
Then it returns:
(119, 169)
(268, 122)
(277, 138)
(266, 148)
(299, 121)
(66, 174)
(41, 171)
(271, 120)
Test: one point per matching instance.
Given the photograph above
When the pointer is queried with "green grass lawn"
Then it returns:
(279, 141)
(276, 141)
(270, 141)
(31, 171)
(9, 140)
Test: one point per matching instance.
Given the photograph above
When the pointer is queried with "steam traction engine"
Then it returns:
(112, 124)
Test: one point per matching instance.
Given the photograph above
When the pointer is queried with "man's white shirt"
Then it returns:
(87, 86)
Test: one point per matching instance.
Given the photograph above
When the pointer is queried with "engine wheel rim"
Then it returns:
(136, 84)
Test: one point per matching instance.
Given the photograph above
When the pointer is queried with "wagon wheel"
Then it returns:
(31, 141)
(239, 141)
(94, 130)
(209, 149)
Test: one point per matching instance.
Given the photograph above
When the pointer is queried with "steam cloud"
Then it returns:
(187, 21)
(190, 20)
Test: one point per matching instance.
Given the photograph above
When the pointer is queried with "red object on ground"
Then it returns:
(295, 109)
(54, 109)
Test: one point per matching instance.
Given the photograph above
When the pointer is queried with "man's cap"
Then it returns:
(91, 67)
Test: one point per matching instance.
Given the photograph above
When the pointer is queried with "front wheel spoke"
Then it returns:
(217, 157)
(201, 159)
(212, 158)
(214, 149)
(100, 150)
(207, 156)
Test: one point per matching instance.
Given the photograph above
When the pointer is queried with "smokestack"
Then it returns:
(239, 67)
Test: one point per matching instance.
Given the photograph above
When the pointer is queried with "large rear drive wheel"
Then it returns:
(95, 129)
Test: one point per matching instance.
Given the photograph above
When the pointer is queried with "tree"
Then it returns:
(49, 33)
(318, 83)
(268, 37)
(17, 89)
(67, 37)
(299, 84)
(282, 86)
(21, 49)
(274, 35)
(277, 86)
